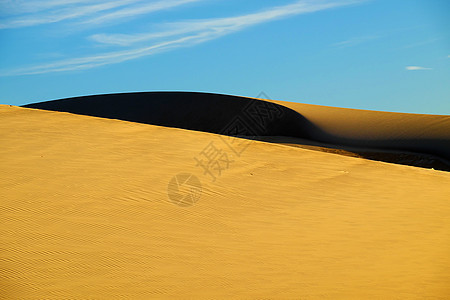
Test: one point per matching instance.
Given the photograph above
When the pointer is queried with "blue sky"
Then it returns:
(389, 55)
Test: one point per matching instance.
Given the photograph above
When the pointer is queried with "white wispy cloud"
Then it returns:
(95, 12)
(14, 7)
(176, 35)
(58, 15)
(356, 41)
(130, 12)
(107, 58)
(416, 68)
(221, 26)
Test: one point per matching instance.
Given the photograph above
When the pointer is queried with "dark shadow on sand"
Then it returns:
(243, 117)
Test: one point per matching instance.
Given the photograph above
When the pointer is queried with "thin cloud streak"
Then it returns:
(197, 32)
(12, 7)
(356, 41)
(416, 68)
(109, 58)
(230, 24)
(137, 10)
(97, 13)
(63, 14)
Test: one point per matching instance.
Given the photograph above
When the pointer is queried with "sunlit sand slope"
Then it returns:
(85, 213)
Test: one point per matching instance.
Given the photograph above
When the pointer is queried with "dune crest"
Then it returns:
(412, 139)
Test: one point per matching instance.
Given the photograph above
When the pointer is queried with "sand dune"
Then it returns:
(385, 130)
(363, 131)
(88, 207)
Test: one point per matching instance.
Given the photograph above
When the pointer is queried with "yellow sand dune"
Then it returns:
(85, 213)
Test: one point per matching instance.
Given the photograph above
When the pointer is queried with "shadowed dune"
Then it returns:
(424, 138)
(214, 113)
(390, 156)
(379, 130)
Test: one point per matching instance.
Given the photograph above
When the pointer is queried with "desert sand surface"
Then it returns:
(89, 208)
